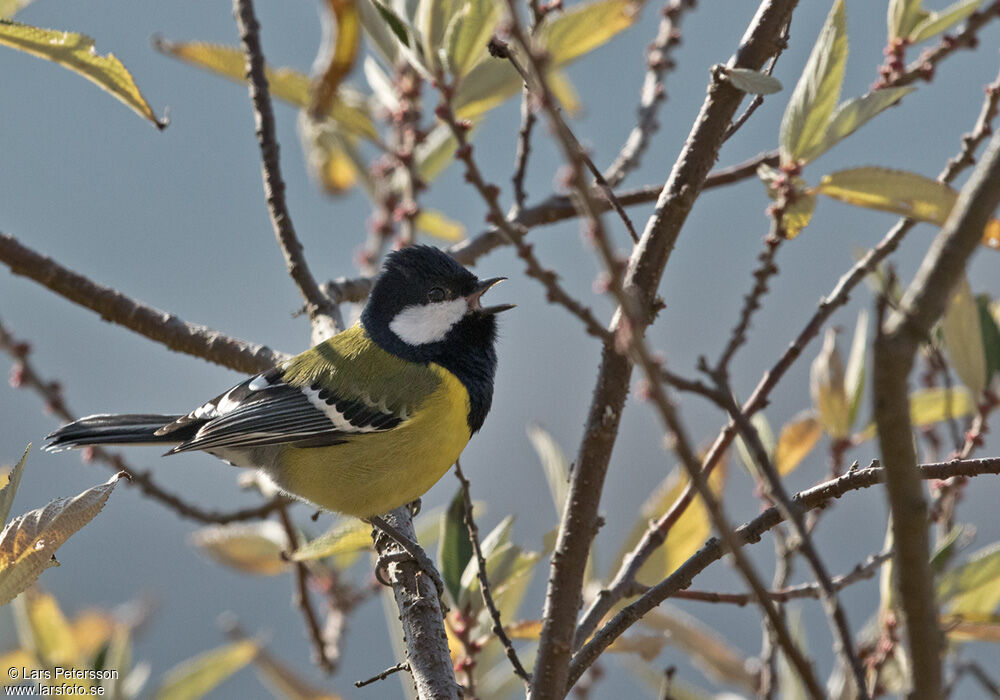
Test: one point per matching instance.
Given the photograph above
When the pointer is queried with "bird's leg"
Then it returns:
(414, 550)
(414, 507)
(382, 565)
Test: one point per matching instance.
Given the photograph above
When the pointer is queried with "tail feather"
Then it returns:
(109, 429)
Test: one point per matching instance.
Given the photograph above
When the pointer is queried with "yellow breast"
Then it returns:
(373, 473)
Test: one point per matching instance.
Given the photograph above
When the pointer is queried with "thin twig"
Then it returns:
(301, 600)
(499, 49)
(401, 666)
(553, 209)
(895, 347)
(323, 314)
(633, 341)
(864, 570)
(514, 235)
(758, 100)
(751, 301)
(843, 639)
(816, 497)
(923, 67)
(658, 62)
(645, 269)
(419, 605)
(24, 375)
(115, 307)
(656, 534)
(523, 151)
(484, 583)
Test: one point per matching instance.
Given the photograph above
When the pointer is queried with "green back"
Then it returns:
(352, 365)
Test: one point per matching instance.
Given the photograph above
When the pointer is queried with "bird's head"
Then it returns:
(425, 305)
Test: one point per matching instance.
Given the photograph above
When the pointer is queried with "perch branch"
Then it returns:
(420, 614)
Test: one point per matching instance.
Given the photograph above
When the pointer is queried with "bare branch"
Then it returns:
(325, 658)
(113, 306)
(552, 210)
(863, 571)
(712, 551)
(402, 666)
(843, 639)
(923, 67)
(513, 234)
(656, 534)
(484, 582)
(658, 62)
(579, 521)
(420, 612)
(922, 305)
(323, 314)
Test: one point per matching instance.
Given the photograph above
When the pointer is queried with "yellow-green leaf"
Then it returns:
(469, 33)
(455, 549)
(933, 23)
(826, 386)
(18, 658)
(436, 224)
(903, 16)
(805, 121)
(706, 646)
(28, 543)
(565, 92)
(854, 374)
(349, 535)
(377, 30)
(972, 628)
(797, 214)
(436, 152)
(432, 18)
(255, 548)
(491, 82)
(584, 27)
(197, 677)
(285, 84)
(554, 464)
(45, 631)
(963, 338)
(332, 156)
(10, 488)
(798, 437)
(9, 7)
(77, 53)
(897, 191)
(337, 53)
(766, 435)
(852, 115)
(754, 82)
(974, 587)
(286, 682)
(686, 535)
(930, 406)
(991, 236)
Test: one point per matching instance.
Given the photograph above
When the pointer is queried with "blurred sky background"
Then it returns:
(177, 219)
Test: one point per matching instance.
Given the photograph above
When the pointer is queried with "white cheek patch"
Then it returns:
(429, 323)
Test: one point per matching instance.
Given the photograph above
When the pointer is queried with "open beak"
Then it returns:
(475, 302)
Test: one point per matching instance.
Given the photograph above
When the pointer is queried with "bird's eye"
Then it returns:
(436, 294)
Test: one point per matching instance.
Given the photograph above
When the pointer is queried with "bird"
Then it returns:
(362, 423)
